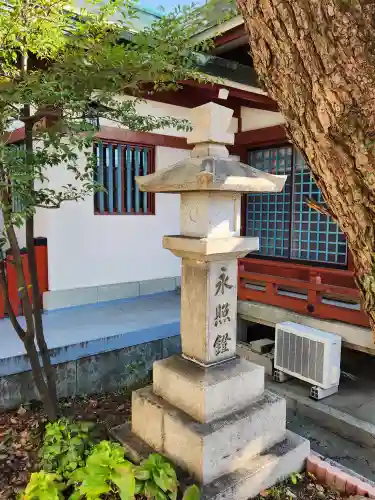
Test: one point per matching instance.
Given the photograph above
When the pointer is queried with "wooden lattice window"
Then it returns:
(117, 167)
(287, 228)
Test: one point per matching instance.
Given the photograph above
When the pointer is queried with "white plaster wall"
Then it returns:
(92, 250)
(89, 250)
(253, 119)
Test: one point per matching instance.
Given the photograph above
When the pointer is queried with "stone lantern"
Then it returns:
(207, 410)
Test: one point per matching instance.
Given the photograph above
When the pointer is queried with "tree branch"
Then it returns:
(318, 207)
(53, 205)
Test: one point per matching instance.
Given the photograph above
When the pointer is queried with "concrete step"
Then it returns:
(341, 423)
(208, 450)
(248, 480)
(208, 394)
(335, 449)
(262, 471)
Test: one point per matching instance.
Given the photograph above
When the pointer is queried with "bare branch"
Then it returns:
(318, 207)
(54, 206)
(57, 204)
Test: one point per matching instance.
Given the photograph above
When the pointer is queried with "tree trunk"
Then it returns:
(316, 59)
(37, 311)
(49, 399)
(49, 403)
(35, 290)
(27, 336)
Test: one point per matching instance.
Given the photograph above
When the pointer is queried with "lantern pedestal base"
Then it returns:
(207, 394)
(216, 424)
(207, 451)
(248, 480)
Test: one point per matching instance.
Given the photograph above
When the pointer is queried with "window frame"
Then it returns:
(150, 170)
(289, 259)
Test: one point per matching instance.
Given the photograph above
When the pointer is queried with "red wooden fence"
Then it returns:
(42, 267)
(302, 289)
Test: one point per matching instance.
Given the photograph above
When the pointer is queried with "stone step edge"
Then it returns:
(326, 471)
(267, 399)
(334, 475)
(350, 427)
(293, 447)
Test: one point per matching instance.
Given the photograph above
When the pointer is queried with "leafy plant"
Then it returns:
(295, 477)
(156, 478)
(100, 471)
(66, 445)
(43, 486)
(192, 493)
(106, 471)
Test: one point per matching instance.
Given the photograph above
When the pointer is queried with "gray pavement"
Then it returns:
(347, 453)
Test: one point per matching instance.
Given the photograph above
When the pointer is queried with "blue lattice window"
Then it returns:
(268, 215)
(286, 226)
(117, 167)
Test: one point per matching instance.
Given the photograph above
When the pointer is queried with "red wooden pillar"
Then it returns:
(42, 263)
(14, 299)
(42, 271)
(2, 304)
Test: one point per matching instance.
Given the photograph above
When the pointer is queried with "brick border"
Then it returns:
(329, 475)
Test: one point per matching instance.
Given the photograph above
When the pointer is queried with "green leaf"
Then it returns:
(172, 495)
(139, 488)
(192, 493)
(94, 486)
(65, 446)
(170, 470)
(141, 474)
(124, 479)
(44, 486)
(161, 479)
(76, 495)
(151, 490)
(295, 477)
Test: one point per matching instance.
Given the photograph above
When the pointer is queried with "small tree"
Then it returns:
(316, 59)
(58, 66)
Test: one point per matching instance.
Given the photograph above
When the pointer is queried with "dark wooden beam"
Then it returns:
(193, 94)
(119, 135)
(191, 97)
(245, 97)
(229, 36)
(142, 138)
(261, 137)
(245, 140)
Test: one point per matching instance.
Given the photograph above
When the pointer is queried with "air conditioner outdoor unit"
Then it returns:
(309, 354)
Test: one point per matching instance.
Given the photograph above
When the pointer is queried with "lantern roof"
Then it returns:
(210, 167)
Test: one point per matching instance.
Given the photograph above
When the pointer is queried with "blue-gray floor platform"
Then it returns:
(95, 347)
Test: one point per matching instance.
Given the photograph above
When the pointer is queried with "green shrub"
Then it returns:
(65, 446)
(156, 478)
(106, 471)
(87, 471)
(43, 486)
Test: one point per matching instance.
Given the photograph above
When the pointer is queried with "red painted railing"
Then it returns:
(303, 289)
(42, 267)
